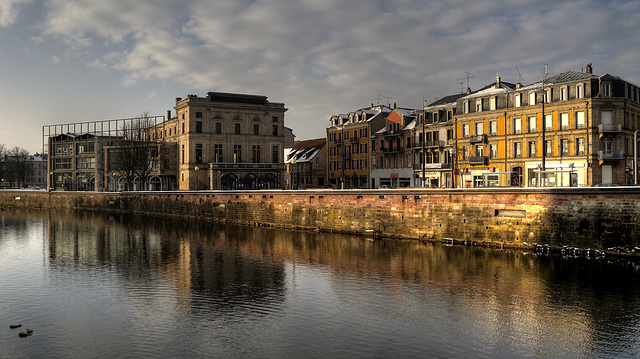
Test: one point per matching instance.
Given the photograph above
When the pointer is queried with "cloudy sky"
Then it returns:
(65, 61)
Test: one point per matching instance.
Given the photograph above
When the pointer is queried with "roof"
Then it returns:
(305, 151)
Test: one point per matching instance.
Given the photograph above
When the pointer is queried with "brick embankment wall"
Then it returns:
(580, 217)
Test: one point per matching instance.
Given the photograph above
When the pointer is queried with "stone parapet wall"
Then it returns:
(581, 217)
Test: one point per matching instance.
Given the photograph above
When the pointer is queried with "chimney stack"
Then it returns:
(589, 69)
(168, 115)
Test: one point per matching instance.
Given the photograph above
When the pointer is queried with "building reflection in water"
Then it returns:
(518, 293)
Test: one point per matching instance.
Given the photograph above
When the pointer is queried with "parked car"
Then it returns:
(330, 185)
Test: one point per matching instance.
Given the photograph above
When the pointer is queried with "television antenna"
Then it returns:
(380, 97)
(468, 78)
(520, 79)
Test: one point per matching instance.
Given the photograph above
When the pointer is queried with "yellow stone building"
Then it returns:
(571, 129)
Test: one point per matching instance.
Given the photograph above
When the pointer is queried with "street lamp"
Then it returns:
(293, 168)
(197, 168)
(452, 152)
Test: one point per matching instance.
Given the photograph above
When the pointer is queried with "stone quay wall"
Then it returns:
(578, 217)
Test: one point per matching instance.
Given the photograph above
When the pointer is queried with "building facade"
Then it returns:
(348, 146)
(392, 151)
(571, 129)
(306, 164)
(226, 141)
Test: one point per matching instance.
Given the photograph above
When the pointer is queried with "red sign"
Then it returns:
(394, 175)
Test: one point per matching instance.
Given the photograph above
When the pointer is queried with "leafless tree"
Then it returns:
(3, 164)
(135, 155)
(15, 166)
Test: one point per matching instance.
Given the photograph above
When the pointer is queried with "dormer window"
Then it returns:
(465, 107)
(606, 90)
(479, 105)
(580, 91)
(564, 94)
(548, 96)
(492, 103)
(532, 98)
(517, 100)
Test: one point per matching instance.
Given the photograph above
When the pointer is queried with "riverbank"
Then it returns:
(537, 219)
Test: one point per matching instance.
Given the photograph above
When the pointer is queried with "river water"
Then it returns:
(100, 286)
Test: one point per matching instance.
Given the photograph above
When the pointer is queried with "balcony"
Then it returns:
(478, 160)
(432, 166)
(612, 129)
(610, 155)
(353, 140)
(478, 138)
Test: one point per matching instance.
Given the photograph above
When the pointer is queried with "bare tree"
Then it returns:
(135, 154)
(16, 167)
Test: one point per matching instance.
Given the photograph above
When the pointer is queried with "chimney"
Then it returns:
(497, 80)
(589, 69)
(468, 90)
(168, 115)
(178, 99)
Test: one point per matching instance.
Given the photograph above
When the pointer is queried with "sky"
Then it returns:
(68, 61)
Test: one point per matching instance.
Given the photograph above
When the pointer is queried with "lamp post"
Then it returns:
(343, 155)
(452, 152)
(197, 169)
(635, 157)
(293, 175)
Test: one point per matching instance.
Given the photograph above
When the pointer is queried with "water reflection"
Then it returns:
(266, 292)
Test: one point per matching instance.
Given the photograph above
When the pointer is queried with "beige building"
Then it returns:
(571, 129)
(226, 141)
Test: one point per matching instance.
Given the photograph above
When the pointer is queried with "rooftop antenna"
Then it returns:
(379, 97)
(520, 79)
(469, 77)
(461, 86)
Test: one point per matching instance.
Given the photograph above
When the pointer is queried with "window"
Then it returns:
(274, 119)
(564, 121)
(183, 126)
(548, 123)
(493, 151)
(182, 154)
(465, 107)
(198, 126)
(354, 149)
(517, 100)
(479, 105)
(606, 90)
(580, 119)
(256, 129)
(363, 148)
(517, 150)
(532, 98)
(274, 130)
(198, 153)
(532, 124)
(548, 96)
(237, 128)
(579, 146)
(363, 164)
(275, 154)
(548, 148)
(88, 147)
(217, 153)
(62, 163)
(479, 151)
(256, 154)
(606, 144)
(86, 163)
(564, 94)
(492, 103)
(465, 130)
(479, 128)
(580, 91)
(493, 128)
(564, 147)
(517, 125)
(532, 149)
(218, 128)
(355, 165)
(237, 153)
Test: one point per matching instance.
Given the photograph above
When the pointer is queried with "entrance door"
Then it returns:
(607, 174)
